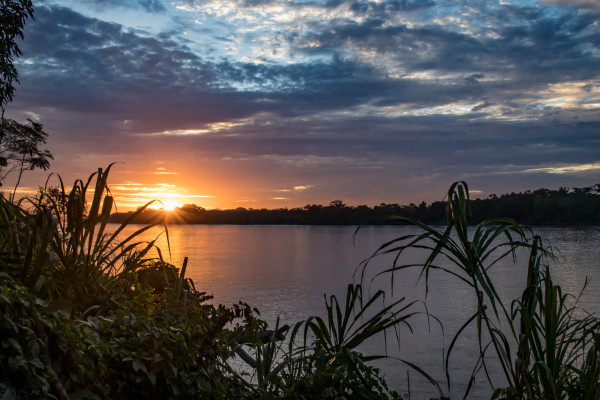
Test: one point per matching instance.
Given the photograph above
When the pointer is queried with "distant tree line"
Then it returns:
(543, 206)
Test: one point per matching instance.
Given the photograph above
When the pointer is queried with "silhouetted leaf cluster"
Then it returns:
(13, 14)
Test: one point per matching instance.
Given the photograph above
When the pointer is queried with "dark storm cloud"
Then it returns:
(442, 145)
(81, 63)
(393, 6)
(426, 137)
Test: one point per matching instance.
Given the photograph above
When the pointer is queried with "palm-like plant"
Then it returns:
(346, 330)
(550, 339)
(332, 357)
(472, 255)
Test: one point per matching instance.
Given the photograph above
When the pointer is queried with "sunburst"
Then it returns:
(170, 205)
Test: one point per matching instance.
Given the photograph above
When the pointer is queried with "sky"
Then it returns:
(283, 103)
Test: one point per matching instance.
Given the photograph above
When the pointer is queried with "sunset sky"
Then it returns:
(280, 103)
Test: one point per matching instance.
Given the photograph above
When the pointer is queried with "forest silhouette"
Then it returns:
(565, 206)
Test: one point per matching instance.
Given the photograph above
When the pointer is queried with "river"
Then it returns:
(284, 271)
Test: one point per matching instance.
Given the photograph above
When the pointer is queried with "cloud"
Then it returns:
(481, 106)
(185, 132)
(381, 9)
(132, 193)
(537, 47)
(568, 169)
(576, 3)
(150, 6)
(439, 93)
(74, 60)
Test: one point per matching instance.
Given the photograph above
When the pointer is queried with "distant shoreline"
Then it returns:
(442, 225)
(578, 207)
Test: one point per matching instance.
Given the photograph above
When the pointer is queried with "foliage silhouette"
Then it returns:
(13, 14)
(19, 149)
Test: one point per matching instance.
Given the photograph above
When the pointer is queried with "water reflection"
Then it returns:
(285, 270)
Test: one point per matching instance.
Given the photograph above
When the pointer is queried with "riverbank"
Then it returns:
(543, 207)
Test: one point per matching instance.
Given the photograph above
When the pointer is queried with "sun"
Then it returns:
(170, 205)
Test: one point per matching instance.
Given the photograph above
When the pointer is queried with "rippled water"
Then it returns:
(285, 270)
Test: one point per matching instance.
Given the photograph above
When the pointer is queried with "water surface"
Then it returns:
(285, 271)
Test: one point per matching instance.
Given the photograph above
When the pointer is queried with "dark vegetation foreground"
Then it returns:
(575, 206)
(90, 315)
